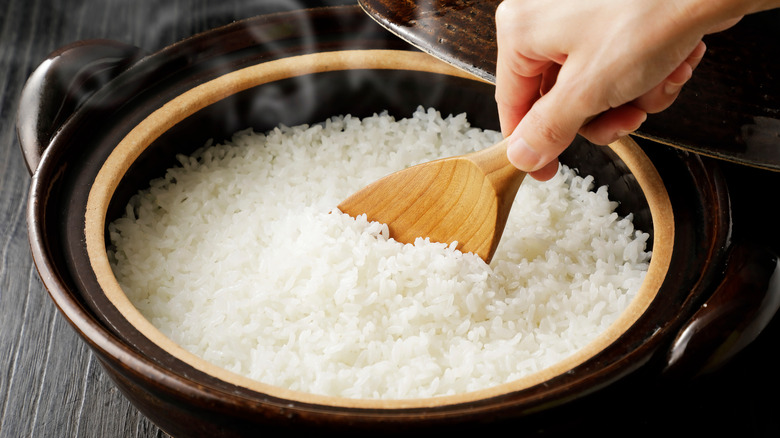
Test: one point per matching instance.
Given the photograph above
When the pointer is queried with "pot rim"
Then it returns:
(151, 384)
(187, 103)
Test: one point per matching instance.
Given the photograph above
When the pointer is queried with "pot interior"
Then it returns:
(311, 88)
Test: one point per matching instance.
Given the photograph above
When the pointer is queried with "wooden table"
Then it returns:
(52, 386)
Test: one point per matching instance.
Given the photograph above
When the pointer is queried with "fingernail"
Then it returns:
(623, 133)
(670, 88)
(522, 155)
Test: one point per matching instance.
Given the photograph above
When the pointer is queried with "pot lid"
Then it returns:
(729, 110)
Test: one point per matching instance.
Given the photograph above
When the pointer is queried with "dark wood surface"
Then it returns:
(51, 384)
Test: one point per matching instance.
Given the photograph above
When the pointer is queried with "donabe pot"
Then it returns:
(99, 119)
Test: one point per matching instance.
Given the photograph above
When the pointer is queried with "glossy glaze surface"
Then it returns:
(165, 390)
(730, 109)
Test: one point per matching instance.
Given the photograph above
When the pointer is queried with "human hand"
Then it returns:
(595, 67)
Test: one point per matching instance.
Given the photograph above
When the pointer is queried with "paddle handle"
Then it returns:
(504, 176)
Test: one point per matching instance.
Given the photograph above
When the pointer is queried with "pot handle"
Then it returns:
(741, 306)
(61, 84)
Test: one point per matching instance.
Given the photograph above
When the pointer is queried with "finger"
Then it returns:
(549, 76)
(518, 77)
(664, 94)
(544, 132)
(547, 172)
(514, 104)
(515, 93)
(724, 25)
(697, 55)
(613, 124)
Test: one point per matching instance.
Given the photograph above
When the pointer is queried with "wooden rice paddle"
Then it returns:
(465, 199)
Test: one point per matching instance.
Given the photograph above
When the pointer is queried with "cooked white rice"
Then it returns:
(239, 256)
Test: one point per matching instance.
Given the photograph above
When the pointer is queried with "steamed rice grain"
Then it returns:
(239, 256)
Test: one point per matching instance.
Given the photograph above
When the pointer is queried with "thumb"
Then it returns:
(545, 131)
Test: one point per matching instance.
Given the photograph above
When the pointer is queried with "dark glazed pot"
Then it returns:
(89, 98)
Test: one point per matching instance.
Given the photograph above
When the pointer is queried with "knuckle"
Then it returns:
(548, 131)
(506, 12)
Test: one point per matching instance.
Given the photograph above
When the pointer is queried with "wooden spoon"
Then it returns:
(465, 199)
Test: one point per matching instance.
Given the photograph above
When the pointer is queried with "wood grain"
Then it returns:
(463, 200)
